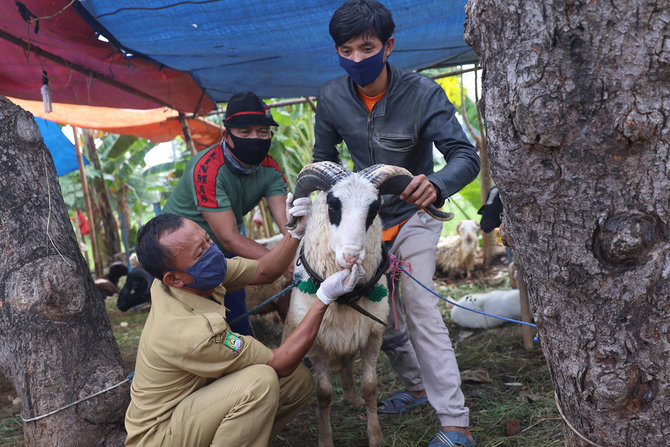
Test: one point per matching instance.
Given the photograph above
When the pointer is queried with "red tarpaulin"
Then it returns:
(67, 45)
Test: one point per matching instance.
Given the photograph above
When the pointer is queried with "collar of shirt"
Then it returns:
(197, 303)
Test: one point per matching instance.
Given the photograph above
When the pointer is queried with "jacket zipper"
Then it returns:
(372, 158)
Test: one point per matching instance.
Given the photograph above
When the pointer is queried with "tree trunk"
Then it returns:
(56, 343)
(110, 245)
(577, 107)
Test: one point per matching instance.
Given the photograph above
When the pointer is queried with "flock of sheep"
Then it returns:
(329, 245)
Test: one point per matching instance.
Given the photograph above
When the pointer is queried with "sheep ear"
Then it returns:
(319, 176)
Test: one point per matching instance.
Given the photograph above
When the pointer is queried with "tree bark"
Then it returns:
(56, 343)
(577, 107)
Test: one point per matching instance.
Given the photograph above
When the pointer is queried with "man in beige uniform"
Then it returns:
(197, 383)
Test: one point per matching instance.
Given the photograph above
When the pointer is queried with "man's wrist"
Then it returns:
(294, 235)
(322, 297)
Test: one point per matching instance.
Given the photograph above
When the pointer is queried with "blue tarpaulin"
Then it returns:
(62, 150)
(277, 49)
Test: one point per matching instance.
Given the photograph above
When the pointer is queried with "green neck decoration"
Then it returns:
(307, 287)
(377, 294)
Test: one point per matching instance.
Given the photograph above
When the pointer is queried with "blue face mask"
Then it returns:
(208, 271)
(366, 71)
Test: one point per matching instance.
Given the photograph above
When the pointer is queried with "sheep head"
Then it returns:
(353, 202)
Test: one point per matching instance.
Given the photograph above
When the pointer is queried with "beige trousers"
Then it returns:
(245, 408)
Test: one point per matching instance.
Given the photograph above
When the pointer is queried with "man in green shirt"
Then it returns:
(221, 184)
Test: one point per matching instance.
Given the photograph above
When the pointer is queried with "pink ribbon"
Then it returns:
(394, 271)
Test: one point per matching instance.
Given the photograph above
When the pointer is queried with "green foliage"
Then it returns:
(293, 142)
(472, 193)
(120, 145)
(122, 165)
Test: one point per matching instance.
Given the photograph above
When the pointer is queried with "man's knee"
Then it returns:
(394, 341)
(262, 382)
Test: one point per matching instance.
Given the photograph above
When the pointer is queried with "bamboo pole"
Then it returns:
(87, 201)
(266, 228)
(187, 133)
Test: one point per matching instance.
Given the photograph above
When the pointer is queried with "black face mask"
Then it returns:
(250, 150)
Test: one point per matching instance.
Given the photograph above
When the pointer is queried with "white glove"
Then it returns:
(300, 209)
(339, 283)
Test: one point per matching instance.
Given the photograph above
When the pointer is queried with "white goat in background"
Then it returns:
(344, 230)
(456, 254)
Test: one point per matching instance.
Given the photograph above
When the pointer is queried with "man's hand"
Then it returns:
(420, 192)
(300, 208)
(339, 283)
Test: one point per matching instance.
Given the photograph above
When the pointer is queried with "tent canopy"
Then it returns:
(78, 64)
(276, 49)
(185, 54)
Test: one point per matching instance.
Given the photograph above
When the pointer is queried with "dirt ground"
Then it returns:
(507, 388)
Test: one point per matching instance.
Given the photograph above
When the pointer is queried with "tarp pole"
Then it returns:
(87, 201)
(310, 99)
(311, 103)
(187, 133)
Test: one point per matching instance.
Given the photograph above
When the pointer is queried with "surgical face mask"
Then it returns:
(250, 150)
(208, 271)
(366, 71)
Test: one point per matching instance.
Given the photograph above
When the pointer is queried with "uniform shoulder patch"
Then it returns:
(230, 340)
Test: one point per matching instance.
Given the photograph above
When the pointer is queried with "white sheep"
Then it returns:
(344, 229)
(456, 254)
(503, 303)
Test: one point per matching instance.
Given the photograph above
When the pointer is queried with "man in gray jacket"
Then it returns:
(387, 115)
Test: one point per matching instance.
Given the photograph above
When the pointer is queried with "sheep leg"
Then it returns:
(348, 385)
(369, 354)
(324, 397)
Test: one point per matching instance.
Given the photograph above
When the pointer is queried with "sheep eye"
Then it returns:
(334, 209)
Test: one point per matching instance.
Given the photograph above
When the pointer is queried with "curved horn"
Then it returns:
(393, 180)
(319, 176)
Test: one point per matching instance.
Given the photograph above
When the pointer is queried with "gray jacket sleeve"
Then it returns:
(441, 126)
(326, 138)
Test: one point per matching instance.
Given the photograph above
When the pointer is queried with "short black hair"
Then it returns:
(361, 18)
(155, 257)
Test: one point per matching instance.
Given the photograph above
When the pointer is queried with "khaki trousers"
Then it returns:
(245, 408)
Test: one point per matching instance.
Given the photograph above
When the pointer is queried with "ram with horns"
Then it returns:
(344, 229)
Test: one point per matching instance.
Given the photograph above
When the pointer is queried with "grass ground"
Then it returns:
(507, 388)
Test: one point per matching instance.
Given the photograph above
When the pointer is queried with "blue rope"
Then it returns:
(294, 283)
(511, 320)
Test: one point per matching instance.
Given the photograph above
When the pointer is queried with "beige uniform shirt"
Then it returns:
(182, 348)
